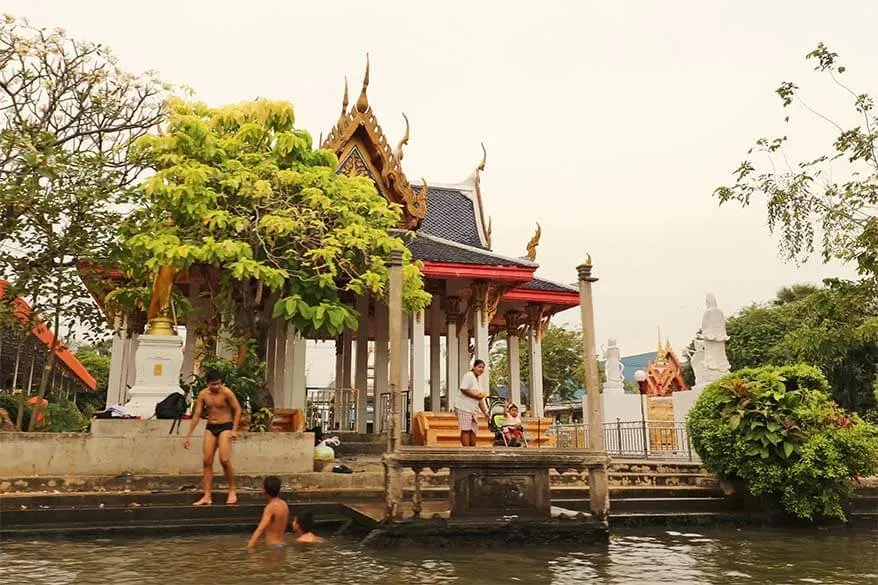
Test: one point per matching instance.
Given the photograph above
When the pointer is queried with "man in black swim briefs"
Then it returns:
(223, 415)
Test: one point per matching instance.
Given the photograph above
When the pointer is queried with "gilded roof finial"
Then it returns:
(588, 260)
(490, 231)
(477, 183)
(533, 243)
(405, 138)
(320, 140)
(344, 100)
(481, 166)
(363, 100)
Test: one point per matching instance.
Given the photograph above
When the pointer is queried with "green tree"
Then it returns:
(834, 327)
(563, 372)
(69, 117)
(239, 192)
(96, 359)
(776, 429)
(835, 192)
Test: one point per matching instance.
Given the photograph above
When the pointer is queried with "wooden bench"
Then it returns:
(441, 429)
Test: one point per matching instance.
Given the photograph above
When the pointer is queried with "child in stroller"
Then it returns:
(505, 422)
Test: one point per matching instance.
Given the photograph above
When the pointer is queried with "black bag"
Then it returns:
(173, 406)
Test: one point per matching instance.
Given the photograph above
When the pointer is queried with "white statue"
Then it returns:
(696, 359)
(613, 367)
(713, 330)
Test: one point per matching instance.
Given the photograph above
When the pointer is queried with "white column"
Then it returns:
(419, 383)
(270, 354)
(287, 361)
(279, 354)
(480, 337)
(129, 369)
(361, 378)
(190, 344)
(452, 372)
(380, 372)
(406, 354)
(116, 379)
(513, 357)
(299, 375)
(535, 374)
(436, 320)
(463, 355)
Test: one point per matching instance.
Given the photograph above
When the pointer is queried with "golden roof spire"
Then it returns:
(405, 138)
(533, 243)
(344, 100)
(490, 231)
(477, 181)
(363, 100)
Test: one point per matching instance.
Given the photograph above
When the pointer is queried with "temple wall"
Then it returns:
(144, 448)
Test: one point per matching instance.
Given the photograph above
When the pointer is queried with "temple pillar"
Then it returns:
(463, 355)
(379, 372)
(436, 354)
(129, 370)
(292, 390)
(513, 357)
(535, 353)
(361, 377)
(599, 492)
(190, 345)
(116, 380)
(392, 475)
(418, 375)
(480, 328)
(405, 365)
(452, 363)
(348, 363)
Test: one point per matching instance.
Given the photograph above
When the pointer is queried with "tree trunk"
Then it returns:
(47, 368)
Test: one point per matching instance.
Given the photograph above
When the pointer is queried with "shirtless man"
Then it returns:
(303, 525)
(274, 516)
(223, 415)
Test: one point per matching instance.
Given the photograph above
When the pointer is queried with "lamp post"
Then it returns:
(640, 378)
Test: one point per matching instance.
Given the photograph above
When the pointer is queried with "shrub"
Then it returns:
(776, 429)
(65, 417)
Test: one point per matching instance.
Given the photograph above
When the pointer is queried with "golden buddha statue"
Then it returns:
(159, 312)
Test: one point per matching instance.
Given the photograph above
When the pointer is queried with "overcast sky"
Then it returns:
(610, 123)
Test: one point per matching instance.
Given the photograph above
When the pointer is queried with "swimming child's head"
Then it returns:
(271, 485)
(303, 522)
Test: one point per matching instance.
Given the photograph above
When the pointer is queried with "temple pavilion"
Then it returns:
(477, 292)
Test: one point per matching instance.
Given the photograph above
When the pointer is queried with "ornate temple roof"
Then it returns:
(451, 215)
(548, 285)
(430, 248)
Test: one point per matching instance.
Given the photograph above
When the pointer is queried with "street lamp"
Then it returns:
(640, 378)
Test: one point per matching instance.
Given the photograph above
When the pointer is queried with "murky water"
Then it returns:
(722, 556)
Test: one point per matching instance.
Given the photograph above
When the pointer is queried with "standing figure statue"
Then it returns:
(696, 360)
(613, 368)
(713, 330)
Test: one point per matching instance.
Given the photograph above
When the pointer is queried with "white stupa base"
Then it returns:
(614, 388)
(157, 361)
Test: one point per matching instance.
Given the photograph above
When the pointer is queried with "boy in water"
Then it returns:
(223, 415)
(303, 524)
(274, 516)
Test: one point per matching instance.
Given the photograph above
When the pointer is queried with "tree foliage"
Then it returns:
(240, 191)
(69, 117)
(834, 327)
(836, 192)
(563, 372)
(776, 429)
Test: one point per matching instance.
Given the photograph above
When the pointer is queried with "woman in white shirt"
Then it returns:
(467, 404)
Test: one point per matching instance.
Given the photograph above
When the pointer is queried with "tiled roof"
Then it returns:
(548, 285)
(434, 249)
(451, 216)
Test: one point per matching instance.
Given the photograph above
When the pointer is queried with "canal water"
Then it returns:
(724, 556)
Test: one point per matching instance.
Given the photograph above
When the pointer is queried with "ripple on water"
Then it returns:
(727, 557)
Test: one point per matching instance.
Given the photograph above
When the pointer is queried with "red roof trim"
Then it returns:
(549, 297)
(448, 270)
(44, 334)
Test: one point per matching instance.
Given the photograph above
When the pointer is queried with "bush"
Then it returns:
(10, 403)
(776, 429)
(65, 417)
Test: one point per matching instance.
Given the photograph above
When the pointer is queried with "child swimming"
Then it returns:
(274, 516)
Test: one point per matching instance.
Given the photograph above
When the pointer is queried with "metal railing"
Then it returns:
(384, 409)
(652, 440)
(331, 409)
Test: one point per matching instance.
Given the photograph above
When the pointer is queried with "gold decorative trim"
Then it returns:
(533, 243)
(360, 126)
(477, 182)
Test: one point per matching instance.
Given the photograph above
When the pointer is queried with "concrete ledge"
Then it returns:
(108, 427)
(82, 454)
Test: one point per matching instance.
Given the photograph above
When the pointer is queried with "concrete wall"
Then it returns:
(136, 450)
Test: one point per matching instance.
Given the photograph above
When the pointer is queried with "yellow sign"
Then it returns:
(157, 370)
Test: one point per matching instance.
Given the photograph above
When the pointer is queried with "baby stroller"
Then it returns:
(496, 407)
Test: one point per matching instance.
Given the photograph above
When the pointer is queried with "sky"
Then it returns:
(610, 123)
